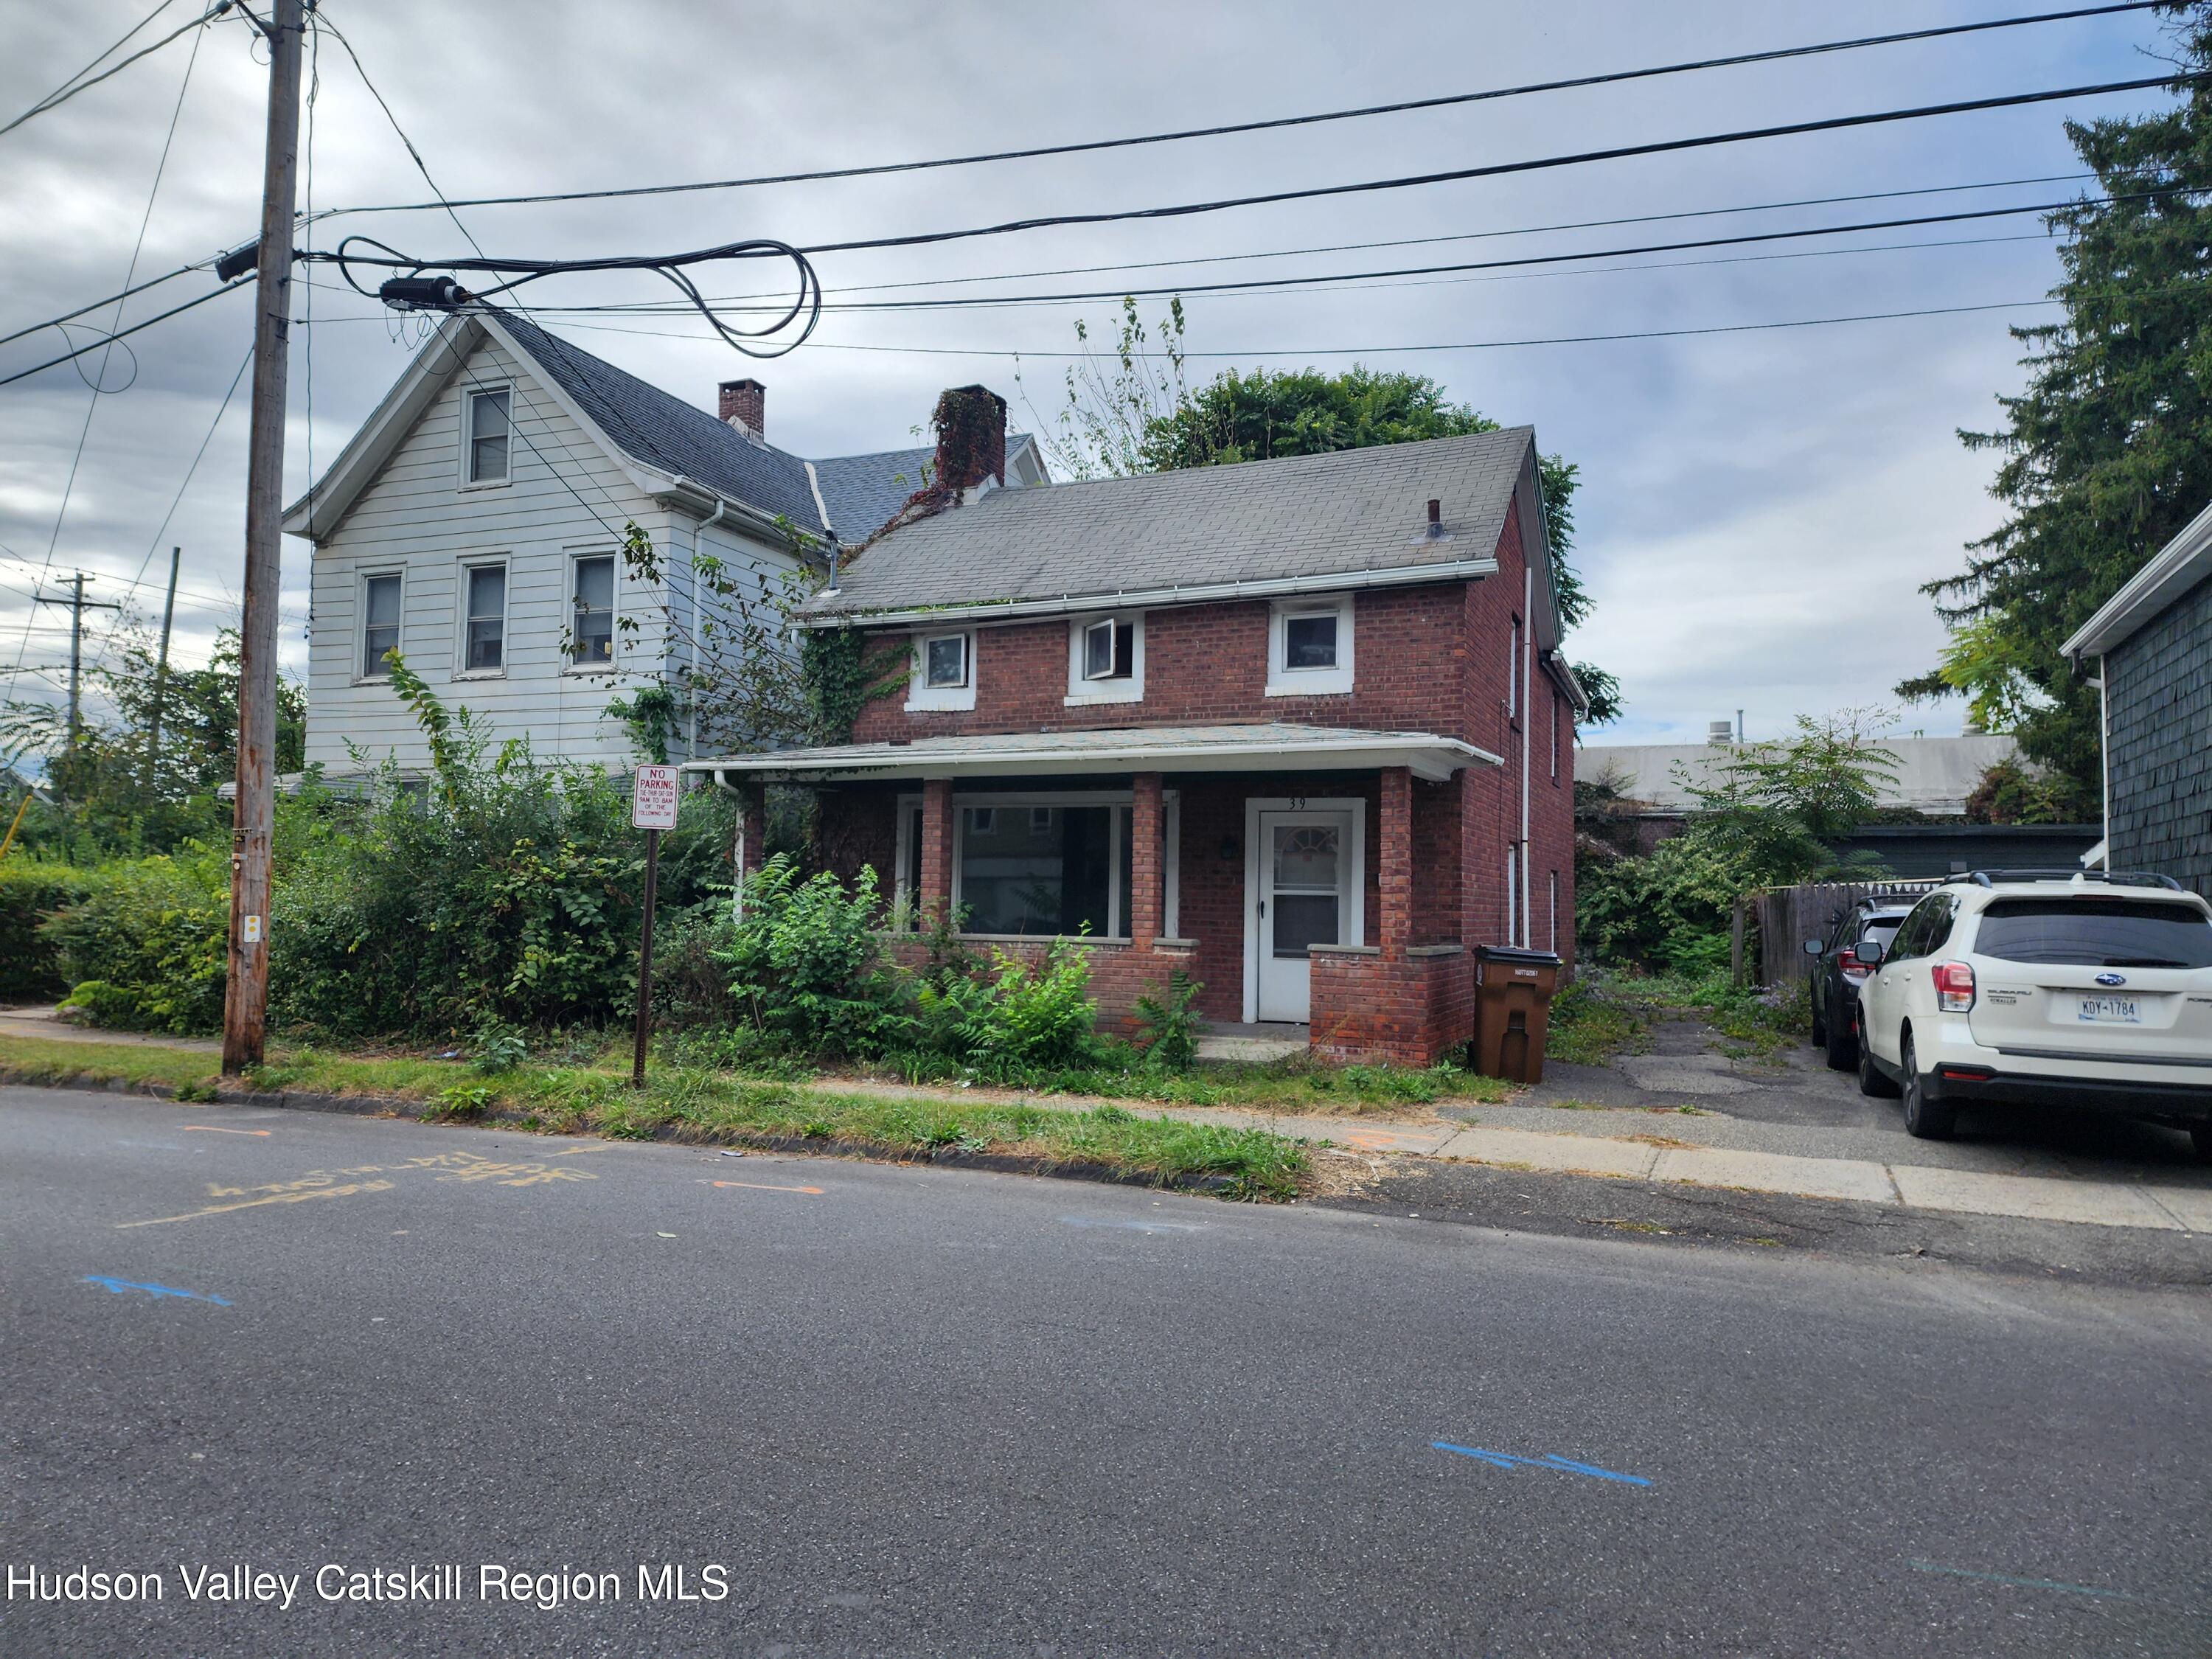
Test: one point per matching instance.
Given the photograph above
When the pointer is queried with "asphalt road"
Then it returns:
(925, 1411)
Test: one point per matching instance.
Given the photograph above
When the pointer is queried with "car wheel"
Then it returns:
(1871, 1081)
(1924, 1119)
(1844, 1045)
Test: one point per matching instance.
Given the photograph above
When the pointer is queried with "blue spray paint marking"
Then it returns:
(2029, 1583)
(1549, 1461)
(157, 1291)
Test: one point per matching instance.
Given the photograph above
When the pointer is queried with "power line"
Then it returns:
(1498, 169)
(138, 247)
(77, 83)
(1258, 284)
(1459, 345)
(161, 317)
(1400, 107)
(1421, 241)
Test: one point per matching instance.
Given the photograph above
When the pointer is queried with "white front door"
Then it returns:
(1305, 892)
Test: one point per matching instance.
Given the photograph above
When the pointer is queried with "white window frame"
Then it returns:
(920, 695)
(577, 556)
(365, 672)
(1081, 688)
(1117, 901)
(469, 396)
(1309, 681)
(504, 564)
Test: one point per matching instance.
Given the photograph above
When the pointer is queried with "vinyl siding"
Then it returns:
(568, 497)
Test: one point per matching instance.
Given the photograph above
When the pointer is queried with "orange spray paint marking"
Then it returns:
(210, 1129)
(763, 1187)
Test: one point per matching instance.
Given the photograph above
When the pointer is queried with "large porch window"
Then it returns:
(1035, 864)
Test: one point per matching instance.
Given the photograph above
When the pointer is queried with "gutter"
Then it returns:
(1120, 598)
(690, 492)
(1192, 756)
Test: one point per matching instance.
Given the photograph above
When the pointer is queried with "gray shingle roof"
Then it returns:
(669, 434)
(1306, 515)
(863, 491)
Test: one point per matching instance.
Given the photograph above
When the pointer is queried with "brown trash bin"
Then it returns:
(1512, 1009)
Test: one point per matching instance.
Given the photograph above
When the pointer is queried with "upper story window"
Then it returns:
(483, 625)
(1513, 675)
(488, 434)
(1309, 646)
(592, 625)
(943, 675)
(1106, 659)
(379, 625)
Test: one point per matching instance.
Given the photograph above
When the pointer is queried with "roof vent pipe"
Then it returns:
(834, 550)
(1720, 733)
(1435, 518)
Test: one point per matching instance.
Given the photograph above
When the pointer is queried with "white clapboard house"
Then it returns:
(474, 523)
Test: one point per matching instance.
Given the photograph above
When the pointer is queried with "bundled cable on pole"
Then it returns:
(416, 290)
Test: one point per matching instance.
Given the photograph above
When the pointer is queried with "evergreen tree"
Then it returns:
(2108, 451)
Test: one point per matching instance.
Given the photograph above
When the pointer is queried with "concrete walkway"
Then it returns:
(43, 1023)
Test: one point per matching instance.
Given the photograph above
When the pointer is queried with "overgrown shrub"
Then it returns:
(30, 891)
(1168, 1024)
(1034, 1019)
(146, 941)
(807, 970)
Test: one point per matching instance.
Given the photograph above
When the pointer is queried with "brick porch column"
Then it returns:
(936, 848)
(1147, 862)
(751, 850)
(1393, 862)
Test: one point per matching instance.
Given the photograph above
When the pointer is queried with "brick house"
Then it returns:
(1299, 728)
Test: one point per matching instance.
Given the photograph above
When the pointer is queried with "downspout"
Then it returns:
(1525, 668)
(2105, 747)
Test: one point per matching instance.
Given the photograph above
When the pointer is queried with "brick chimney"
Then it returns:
(743, 404)
(971, 439)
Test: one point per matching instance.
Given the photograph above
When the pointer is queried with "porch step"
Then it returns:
(1257, 1044)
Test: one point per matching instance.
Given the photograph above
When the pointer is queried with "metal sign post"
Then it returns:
(652, 809)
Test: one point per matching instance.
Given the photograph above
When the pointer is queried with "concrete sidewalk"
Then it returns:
(1668, 1151)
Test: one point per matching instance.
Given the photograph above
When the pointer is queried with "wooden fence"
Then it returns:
(1767, 942)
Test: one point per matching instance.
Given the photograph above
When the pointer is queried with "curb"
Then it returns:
(670, 1134)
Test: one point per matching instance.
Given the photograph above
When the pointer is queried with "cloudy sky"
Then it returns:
(1756, 510)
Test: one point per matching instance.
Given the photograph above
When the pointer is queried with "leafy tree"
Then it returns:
(2107, 453)
(118, 792)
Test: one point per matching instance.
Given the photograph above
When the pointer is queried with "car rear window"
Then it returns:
(2100, 933)
(1882, 929)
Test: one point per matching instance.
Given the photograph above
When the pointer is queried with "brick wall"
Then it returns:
(1120, 974)
(1412, 1011)
(2158, 698)
(1207, 665)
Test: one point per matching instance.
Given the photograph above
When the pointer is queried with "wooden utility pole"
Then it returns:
(78, 604)
(162, 672)
(246, 999)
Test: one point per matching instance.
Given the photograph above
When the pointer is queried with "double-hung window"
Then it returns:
(489, 431)
(484, 636)
(379, 625)
(1310, 648)
(592, 625)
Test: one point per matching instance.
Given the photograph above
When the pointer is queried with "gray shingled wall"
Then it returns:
(2158, 691)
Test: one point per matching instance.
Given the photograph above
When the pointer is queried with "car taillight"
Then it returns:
(1954, 987)
(1852, 967)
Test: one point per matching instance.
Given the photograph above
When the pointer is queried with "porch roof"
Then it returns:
(1271, 747)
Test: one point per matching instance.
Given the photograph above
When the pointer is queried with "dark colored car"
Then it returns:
(1838, 974)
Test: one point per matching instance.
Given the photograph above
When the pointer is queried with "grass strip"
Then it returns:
(703, 1104)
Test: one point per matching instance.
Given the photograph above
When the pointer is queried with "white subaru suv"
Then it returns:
(2082, 989)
